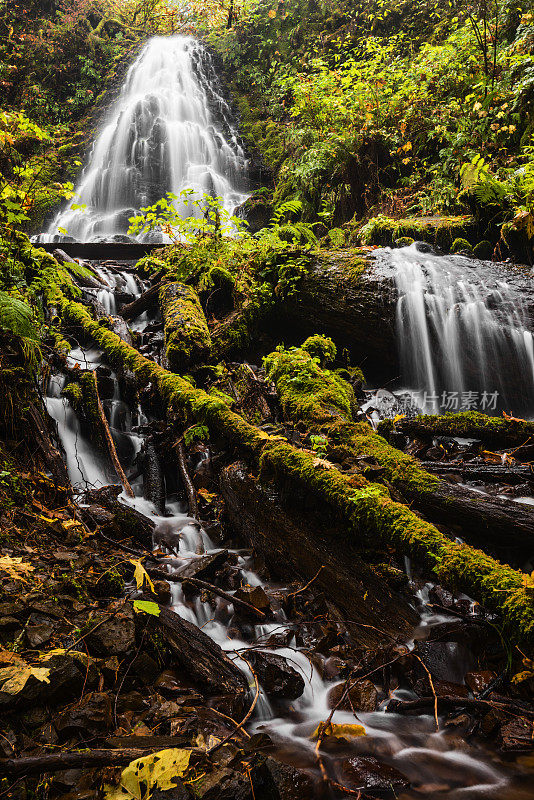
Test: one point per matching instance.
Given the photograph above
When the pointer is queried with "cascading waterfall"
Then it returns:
(169, 130)
(411, 744)
(463, 335)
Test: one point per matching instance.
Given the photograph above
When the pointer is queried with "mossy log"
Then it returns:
(187, 338)
(498, 432)
(141, 303)
(297, 541)
(365, 510)
(319, 397)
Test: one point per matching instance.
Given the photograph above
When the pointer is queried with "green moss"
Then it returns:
(483, 250)
(493, 431)
(439, 231)
(320, 347)
(404, 241)
(187, 337)
(305, 389)
(461, 245)
(148, 265)
(365, 509)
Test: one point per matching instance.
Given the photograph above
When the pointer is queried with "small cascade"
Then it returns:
(411, 744)
(463, 335)
(170, 130)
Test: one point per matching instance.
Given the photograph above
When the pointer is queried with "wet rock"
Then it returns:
(517, 735)
(37, 635)
(277, 678)
(125, 521)
(8, 624)
(179, 792)
(92, 715)
(446, 661)
(254, 596)
(361, 697)
(145, 669)
(373, 777)
(115, 636)
(162, 590)
(204, 567)
(478, 681)
(447, 689)
(169, 683)
(70, 673)
(291, 783)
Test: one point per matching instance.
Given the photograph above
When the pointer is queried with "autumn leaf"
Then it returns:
(141, 575)
(156, 771)
(146, 607)
(338, 731)
(16, 568)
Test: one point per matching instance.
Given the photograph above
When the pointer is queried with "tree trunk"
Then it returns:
(187, 337)
(297, 544)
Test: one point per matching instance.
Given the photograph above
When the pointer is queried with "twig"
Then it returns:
(245, 718)
(431, 682)
(172, 578)
(292, 594)
(109, 441)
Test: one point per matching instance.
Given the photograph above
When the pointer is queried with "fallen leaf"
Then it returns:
(16, 568)
(156, 771)
(338, 731)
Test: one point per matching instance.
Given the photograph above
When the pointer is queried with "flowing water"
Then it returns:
(464, 335)
(438, 763)
(170, 130)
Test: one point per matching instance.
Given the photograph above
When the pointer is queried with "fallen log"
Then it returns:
(153, 478)
(446, 701)
(365, 510)
(55, 762)
(321, 398)
(202, 659)
(141, 303)
(498, 432)
(297, 544)
(491, 473)
(187, 338)
(81, 275)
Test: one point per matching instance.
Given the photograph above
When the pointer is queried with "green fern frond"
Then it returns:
(16, 316)
(284, 211)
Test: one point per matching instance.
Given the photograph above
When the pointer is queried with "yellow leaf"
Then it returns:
(156, 771)
(406, 147)
(337, 731)
(272, 13)
(14, 679)
(141, 575)
(16, 568)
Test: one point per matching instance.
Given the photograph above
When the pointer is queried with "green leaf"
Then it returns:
(146, 607)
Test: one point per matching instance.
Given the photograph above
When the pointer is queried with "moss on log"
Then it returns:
(365, 509)
(187, 337)
(499, 432)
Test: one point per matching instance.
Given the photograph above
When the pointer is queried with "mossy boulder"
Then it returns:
(320, 347)
(461, 246)
(517, 242)
(187, 338)
(438, 231)
(483, 250)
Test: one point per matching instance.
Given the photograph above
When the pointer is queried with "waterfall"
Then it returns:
(169, 130)
(463, 335)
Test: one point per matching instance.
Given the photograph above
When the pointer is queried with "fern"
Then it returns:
(283, 211)
(16, 316)
(477, 178)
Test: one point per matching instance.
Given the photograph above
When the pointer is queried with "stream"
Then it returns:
(440, 763)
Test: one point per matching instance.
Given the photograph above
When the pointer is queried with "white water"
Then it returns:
(169, 130)
(460, 332)
(411, 744)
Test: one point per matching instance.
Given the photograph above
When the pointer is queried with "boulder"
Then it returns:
(362, 696)
(277, 678)
(115, 636)
(372, 776)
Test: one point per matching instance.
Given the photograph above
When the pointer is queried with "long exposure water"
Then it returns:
(170, 130)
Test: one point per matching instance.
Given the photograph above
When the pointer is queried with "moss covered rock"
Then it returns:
(438, 231)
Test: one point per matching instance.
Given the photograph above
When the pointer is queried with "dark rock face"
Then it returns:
(277, 678)
(368, 774)
(114, 636)
(360, 697)
(257, 212)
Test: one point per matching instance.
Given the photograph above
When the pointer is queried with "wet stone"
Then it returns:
(368, 774)
(92, 715)
(277, 678)
(169, 683)
(37, 635)
(254, 596)
(363, 696)
(478, 681)
(115, 636)
(291, 783)
(162, 590)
